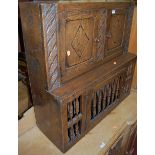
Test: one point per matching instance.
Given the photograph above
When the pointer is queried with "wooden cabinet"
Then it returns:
(66, 114)
(75, 38)
(78, 64)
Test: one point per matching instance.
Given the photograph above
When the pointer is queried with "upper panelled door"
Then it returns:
(79, 38)
(115, 30)
(82, 40)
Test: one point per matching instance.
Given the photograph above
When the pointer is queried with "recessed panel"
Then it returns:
(79, 34)
(116, 23)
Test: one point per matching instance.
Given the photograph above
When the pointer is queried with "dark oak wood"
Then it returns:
(75, 38)
(78, 64)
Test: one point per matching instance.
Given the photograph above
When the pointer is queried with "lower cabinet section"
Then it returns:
(84, 111)
(78, 106)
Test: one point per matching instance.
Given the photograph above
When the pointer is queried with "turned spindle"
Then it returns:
(104, 98)
(109, 93)
(74, 107)
(113, 90)
(77, 106)
(94, 105)
(71, 110)
(117, 88)
(72, 134)
(99, 95)
(77, 129)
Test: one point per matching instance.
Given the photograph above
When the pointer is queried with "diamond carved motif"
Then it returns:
(80, 41)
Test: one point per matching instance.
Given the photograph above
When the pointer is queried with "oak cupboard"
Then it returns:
(79, 66)
(75, 38)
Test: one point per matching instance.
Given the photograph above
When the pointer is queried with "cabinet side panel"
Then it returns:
(49, 120)
(33, 42)
(49, 23)
(47, 110)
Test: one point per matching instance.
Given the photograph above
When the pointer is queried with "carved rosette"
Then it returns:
(50, 44)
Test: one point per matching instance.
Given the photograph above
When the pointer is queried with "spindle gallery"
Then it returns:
(78, 62)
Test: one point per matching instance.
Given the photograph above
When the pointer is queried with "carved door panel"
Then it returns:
(82, 36)
(115, 30)
(79, 40)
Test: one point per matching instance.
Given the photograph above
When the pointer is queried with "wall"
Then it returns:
(133, 44)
